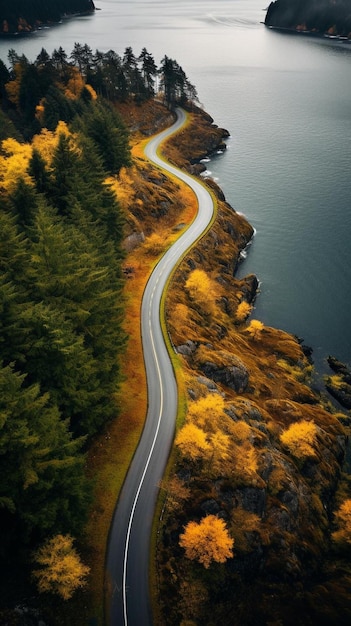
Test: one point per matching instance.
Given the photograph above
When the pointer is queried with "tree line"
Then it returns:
(24, 15)
(39, 94)
(61, 282)
(322, 16)
(61, 335)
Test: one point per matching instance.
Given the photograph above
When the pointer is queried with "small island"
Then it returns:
(330, 18)
(24, 16)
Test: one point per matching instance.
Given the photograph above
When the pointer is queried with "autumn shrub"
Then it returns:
(61, 571)
(191, 440)
(201, 290)
(243, 311)
(207, 541)
(155, 244)
(300, 439)
(240, 431)
(255, 329)
(342, 516)
(207, 411)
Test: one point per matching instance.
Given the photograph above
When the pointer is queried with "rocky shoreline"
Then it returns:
(278, 506)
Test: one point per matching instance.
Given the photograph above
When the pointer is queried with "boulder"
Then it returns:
(234, 375)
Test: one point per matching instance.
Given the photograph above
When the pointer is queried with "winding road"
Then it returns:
(127, 563)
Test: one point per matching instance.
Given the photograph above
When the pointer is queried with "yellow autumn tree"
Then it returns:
(207, 541)
(200, 288)
(300, 438)
(46, 142)
(243, 311)
(191, 440)
(75, 85)
(219, 449)
(255, 329)
(245, 461)
(343, 521)
(207, 411)
(14, 163)
(61, 571)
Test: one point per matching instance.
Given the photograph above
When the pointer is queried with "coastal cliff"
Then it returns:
(24, 16)
(257, 448)
(247, 387)
(323, 17)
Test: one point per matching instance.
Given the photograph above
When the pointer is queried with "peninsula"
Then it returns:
(23, 16)
(320, 17)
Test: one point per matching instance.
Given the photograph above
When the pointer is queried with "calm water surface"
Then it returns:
(286, 101)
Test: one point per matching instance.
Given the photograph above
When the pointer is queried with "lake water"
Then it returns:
(286, 101)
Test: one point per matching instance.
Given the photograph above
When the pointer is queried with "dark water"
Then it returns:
(286, 101)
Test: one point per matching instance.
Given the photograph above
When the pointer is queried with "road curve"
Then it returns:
(127, 563)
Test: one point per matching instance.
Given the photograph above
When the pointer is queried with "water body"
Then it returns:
(286, 101)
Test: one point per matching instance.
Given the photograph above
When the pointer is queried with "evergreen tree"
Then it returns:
(38, 459)
(38, 170)
(103, 125)
(23, 203)
(149, 71)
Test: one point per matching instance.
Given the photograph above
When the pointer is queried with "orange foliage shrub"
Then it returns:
(75, 85)
(243, 523)
(243, 311)
(191, 440)
(245, 461)
(200, 289)
(300, 438)
(220, 444)
(240, 430)
(207, 411)
(343, 521)
(46, 142)
(61, 570)
(155, 244)
(255, 329)
(14, 163)
(207, 541)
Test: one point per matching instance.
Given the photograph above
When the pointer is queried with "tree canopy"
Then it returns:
(61, 281)
(56, 88)
(207, 541)
(319, 16)
(26, 15)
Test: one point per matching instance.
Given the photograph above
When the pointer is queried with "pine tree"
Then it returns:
(38, 459)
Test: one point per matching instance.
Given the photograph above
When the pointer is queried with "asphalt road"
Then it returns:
(127, 564)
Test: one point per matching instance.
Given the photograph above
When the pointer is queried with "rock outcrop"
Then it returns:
(339, 386)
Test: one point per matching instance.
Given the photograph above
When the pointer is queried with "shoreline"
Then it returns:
(308, 33)
(43, 25)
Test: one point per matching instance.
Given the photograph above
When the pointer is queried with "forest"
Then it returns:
(23, 16)
(256, 507)
(61, 328)
(318, 16)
